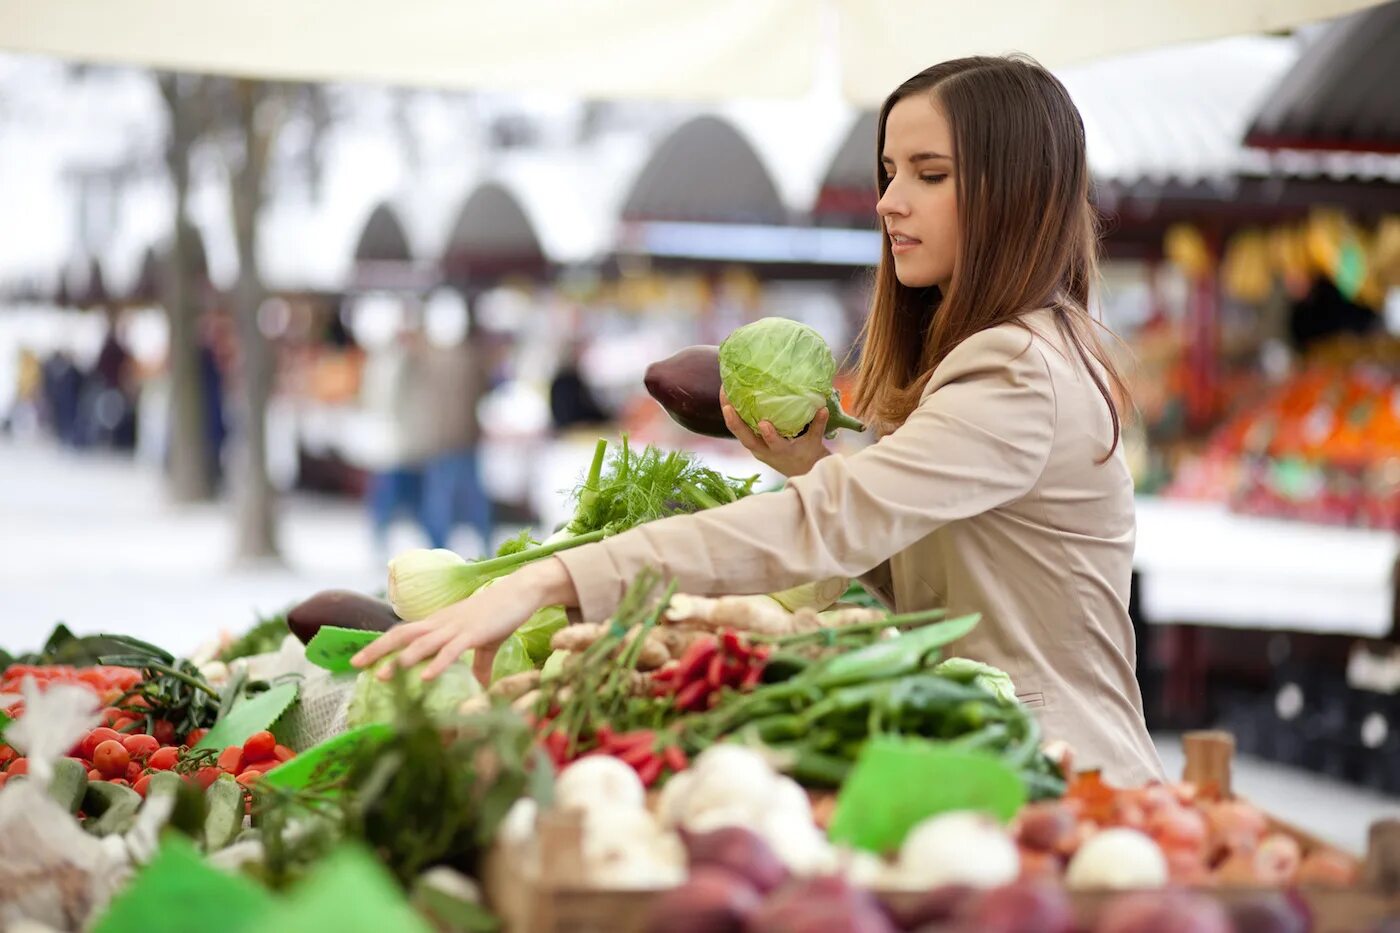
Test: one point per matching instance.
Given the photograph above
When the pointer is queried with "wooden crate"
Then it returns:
(550, 896)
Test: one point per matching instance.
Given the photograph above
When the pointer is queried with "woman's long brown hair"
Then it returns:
(1027, 236)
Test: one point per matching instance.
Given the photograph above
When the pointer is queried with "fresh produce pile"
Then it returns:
(1323, 447)
(672, 675)
(107, 682)
(1144, 837)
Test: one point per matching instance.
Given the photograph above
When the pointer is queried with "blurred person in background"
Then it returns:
(63, 384)
(106, 407)
(216, 351)
(396, 392)
(571, 401)
(455, 378)
(26, 410)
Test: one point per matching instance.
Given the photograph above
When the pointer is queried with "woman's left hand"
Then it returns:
(480, 622)
(789, 456)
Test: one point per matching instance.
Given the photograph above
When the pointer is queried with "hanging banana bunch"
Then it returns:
(1385, 252)
(1246, 271)
(1187, 249)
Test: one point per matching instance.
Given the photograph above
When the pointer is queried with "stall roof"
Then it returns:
(1344, 92)
(705, 171)
(383, 239)
(491, 227)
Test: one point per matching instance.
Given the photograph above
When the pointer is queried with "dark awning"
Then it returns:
(492, 237)
(1343, 94)
(705, 171)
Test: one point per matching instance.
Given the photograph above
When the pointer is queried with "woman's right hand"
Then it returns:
(790, 457)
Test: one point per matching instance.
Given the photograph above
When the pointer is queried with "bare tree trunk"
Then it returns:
(191, 460)
(255, 498)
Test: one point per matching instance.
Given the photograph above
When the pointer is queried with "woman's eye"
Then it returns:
(933, 179)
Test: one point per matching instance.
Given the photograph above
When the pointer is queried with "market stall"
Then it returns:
(786, 761)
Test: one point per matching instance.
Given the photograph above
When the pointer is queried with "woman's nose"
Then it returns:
(891, 204)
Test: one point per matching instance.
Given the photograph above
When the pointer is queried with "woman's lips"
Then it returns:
(899, 243)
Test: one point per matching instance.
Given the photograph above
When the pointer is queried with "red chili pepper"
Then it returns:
(714, 674)
(557, 745)
(675, 759)
(666, 674)
(605, 735)
(636, 756)
(650, 771)
(752, 676)
(692, 695)
(645, 738)
(734, 670)
(734, 645)
(695, 658)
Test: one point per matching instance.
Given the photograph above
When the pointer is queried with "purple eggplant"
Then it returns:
(343, 609)
(687, 385)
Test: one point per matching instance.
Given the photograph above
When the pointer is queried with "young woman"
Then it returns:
(998, 484)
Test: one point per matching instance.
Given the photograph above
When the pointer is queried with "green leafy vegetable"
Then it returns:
(780, 371)
(537, 631)
(511, 658)
(618, 494)
(265, 636)
(374, 700)
(994, 680)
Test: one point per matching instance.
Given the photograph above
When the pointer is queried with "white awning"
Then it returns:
(692, 49)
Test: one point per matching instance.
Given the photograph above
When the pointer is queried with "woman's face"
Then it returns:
(919, 209)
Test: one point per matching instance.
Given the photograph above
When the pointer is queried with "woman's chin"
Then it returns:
(913, 278)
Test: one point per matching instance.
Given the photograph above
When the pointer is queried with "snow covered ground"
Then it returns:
(89, 539)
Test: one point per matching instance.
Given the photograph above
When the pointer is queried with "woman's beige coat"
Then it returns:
(989, 498)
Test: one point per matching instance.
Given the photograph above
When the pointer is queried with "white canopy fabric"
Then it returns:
(695, 49)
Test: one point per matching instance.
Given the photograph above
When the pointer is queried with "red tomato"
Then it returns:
(231, 759)
(18, 766)
(140, 746)
(283, 753)
(206, 776)
(141, 784)
(111, 714)
(259, 747)
(95, 775)
(194, 737)
(124, 724)
(248, 777)
(122, 781)
(134, 771)
(138, 702)
(95, 738)
(163, 759)
(6, 754)
(164, 731)
(111, 758)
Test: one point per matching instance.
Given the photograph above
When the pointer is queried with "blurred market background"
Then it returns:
(245, 325)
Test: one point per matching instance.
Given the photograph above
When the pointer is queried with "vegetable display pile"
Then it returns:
(669, 669)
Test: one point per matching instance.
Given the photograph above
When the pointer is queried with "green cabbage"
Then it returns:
(539, 629)
(511, 658)
(374, 700)
(994, 680)
(780, 371)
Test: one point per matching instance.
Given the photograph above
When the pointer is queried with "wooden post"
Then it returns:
(1208, 758)
(1382, 869)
